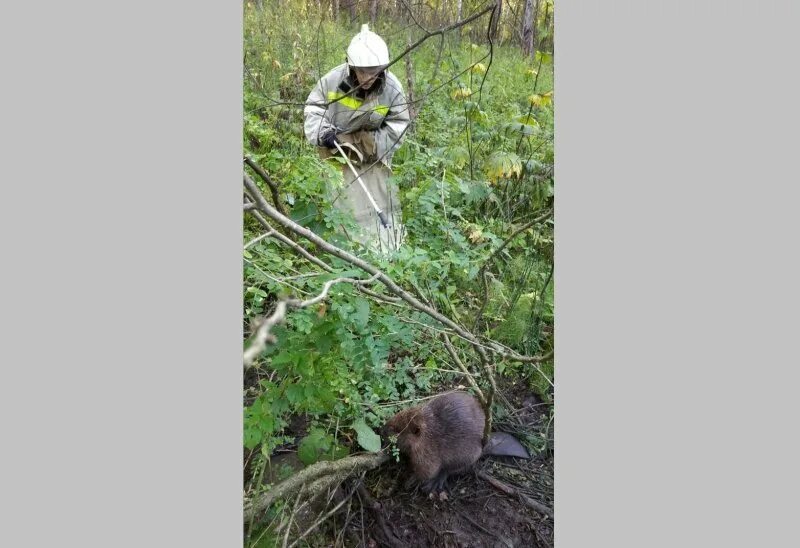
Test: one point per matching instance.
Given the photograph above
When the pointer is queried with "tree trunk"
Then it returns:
(373, 12)
(410, 84)
(459, 12)
(548, 17)
(535, 37)
(350, 6)
(405, 10)
(528, 26)
(496, 21)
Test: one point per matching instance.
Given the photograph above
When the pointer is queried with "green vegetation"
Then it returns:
(476, 167)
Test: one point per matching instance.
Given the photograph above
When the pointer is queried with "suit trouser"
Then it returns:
(352, 198)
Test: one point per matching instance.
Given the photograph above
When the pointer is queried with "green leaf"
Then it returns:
(503, 165)
(294, 393)
(528, 120)
(310, 447)
(458, 155)
(474, 112)
(478, 68)
(516, 127)
(339, 452)
(543, 57)
(367, 438)
(461, 93)
(361, 315)
(252, 437)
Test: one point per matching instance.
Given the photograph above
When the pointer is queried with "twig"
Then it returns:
(259, 238)
(326, 516)
(289, 242)
(327, 288)
(262, 336)
(291, 518)
(514, 234)
(485, 530)
(508, 490)
(375, 507)
(276, 198)
(452, 351)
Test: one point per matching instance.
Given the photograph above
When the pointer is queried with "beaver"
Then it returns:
(445, 436)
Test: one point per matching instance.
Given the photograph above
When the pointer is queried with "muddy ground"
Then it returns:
(381, 511)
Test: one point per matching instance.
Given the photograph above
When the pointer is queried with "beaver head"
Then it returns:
(408, 425)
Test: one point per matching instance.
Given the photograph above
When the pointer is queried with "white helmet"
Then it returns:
(367, 49)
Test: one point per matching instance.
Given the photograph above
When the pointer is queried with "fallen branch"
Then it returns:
(508, 490)
(337, 470)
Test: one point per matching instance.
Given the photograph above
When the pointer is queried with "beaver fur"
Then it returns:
(445, 436)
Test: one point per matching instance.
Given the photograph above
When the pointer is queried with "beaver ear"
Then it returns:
(415, 426)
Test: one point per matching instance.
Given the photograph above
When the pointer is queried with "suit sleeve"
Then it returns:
(316, 122)
(389, 136)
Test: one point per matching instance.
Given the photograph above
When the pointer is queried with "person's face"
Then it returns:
(366, 75)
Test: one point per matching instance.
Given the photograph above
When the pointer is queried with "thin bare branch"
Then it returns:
(321, 520)
(327, 288)
(263, 334)
(259, 238)
(507, 489)
(276, 198)
(452, 351)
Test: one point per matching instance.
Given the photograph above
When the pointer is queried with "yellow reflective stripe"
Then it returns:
(353, 103)
(350, 102)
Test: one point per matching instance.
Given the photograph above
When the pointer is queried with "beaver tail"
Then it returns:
(501, 444)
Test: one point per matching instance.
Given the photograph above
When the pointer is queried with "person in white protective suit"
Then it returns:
(360, 106)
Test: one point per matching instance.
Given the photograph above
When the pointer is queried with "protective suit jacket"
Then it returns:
(382, 111)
